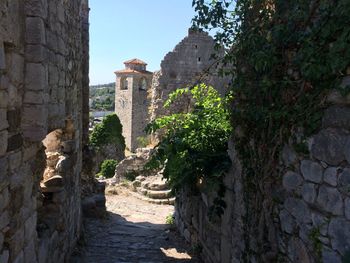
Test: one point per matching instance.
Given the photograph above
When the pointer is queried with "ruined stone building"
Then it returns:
(43, 111)
(133, 85)
(140, 95)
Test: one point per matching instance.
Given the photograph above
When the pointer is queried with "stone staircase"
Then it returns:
(153, 189)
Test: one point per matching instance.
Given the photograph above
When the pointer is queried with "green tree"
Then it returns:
(194, 147)
(109, 131)
(108, 168)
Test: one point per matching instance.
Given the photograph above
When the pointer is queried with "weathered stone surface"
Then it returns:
(35, 30)
(35, 53)
(339, 232)
(14, 119)
(4, 257)
(328, 146)
(309, 192)
(14, 142)
(3, 99)
(3, 142)
(36, 77)
(337, 117)
(2, 56)
(347, 208)
(3, 119)
(287, 221)
(347, 150)
(298, 209)
(4, 199)
(330, 200)
(292, 180)
(311, 171)
(344, 181)
(36, 8)
(330, 176)
(297, 251)
(321, 222)
(329, 256)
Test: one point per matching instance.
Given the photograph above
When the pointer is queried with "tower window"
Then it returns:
(143, 84)
(124, 84)
(199, 59)
(195, 46)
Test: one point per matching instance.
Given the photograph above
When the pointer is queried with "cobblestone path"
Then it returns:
(133, 231)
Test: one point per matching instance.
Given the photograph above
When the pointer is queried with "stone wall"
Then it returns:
(43, 65)
(190, 63)
(311, 211)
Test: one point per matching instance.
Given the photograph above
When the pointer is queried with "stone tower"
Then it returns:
(131, 100)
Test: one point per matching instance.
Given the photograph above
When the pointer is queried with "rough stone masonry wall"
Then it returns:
(42, 67)
(189, 63)
(312, 201)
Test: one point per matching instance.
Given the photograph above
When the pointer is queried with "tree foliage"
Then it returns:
(194, 147)
(108, 168)
(109, 131)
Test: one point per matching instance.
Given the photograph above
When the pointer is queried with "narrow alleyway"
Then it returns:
(132, 231)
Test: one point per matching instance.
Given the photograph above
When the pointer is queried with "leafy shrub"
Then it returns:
(143, 141)
(195, 143)
(170, 220)
(131, 175)
(108, 168)
(109, 131)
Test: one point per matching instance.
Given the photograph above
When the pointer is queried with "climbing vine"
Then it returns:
(285, 57)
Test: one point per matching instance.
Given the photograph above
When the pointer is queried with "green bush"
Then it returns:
(109, 131)
(195, 145)
(108, 168)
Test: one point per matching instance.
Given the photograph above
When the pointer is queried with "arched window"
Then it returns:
(143, 84)
(124, 83)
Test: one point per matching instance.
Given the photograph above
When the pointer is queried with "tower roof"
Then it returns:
(135, 61)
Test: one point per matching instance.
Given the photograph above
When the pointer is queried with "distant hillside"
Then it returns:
(102, 97)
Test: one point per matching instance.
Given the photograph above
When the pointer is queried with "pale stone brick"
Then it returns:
(35, 115)
(15, 160)
(35, 31)
(34, 133)
(16, 69)
(36, 8)
(36, 77)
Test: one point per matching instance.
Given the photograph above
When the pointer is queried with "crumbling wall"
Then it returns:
(191, 62)
(311, 214)
(42, 78)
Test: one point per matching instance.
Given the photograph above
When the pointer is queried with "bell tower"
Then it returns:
(133, 84)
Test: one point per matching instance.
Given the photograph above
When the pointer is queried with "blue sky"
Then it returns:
(146, 29)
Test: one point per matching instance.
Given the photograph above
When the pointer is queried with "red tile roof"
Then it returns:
(133, 71)
(135, 61)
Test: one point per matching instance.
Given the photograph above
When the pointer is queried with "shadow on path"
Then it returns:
(116, 239)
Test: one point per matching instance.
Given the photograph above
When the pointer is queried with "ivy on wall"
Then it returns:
(285, 57)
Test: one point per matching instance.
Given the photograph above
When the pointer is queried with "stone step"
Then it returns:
(155, 185)
(165, 201)
(163, 194)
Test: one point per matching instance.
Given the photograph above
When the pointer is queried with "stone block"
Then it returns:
(16, 69)
(3, 142)
(3, 119)
(330, 200)
(3, 99)
(14, 119)
(330, 256)
(30, 228)
(311, 171)
(328, 146)
(288, 155)
(287, 221)
(35, 31)
(3, 171)
(308, 193)
(19, 258)
(4, 257)
(337, 117)
(4, 199)
(14, 98)
(299, 209)
(330, 176)
(34, 133)
(36, 77)
(35, 53)
(347, 208)
(34, 115)
(14, 142)
(2, 56)
(4, 219)
(36, 8)
(291, 180)
(320, 222)
(29, 253)
(339, 232)
(32, 97)
(347, 150)
(344, 181)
